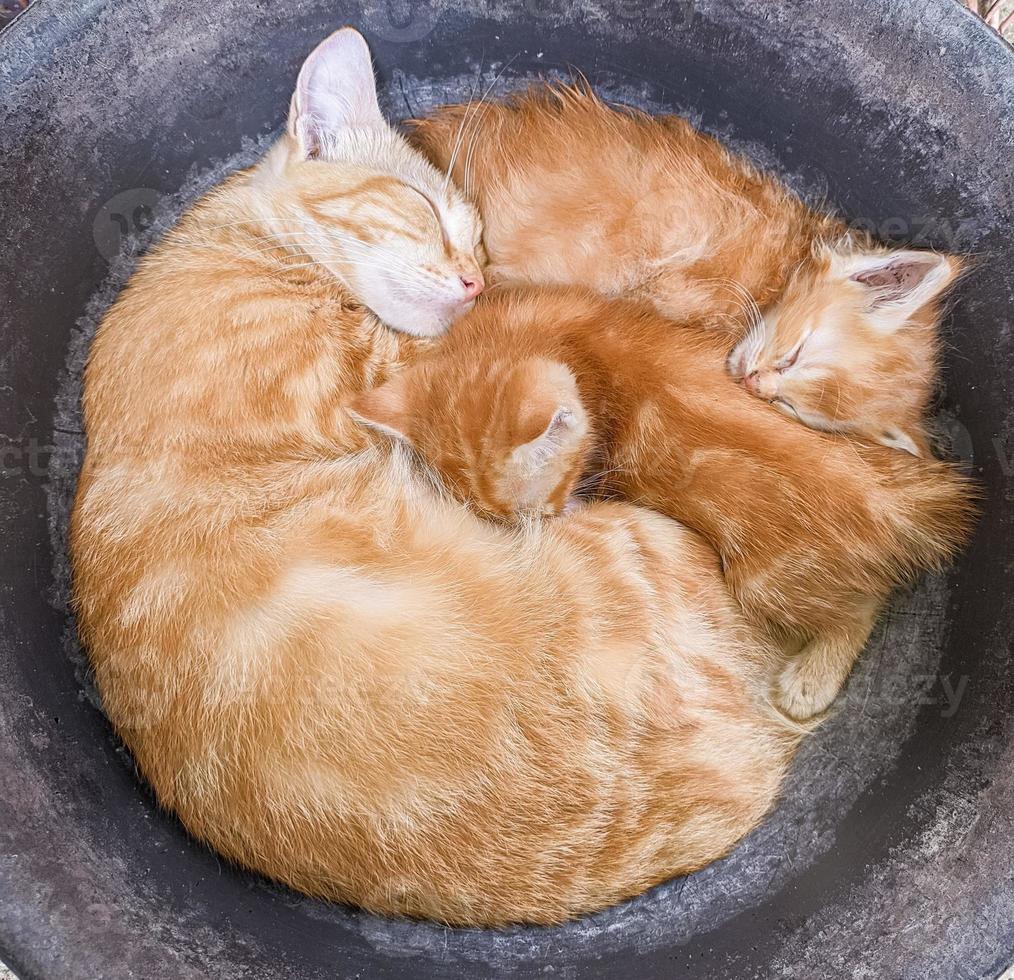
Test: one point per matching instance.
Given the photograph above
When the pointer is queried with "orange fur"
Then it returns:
(813, 532)
(663, 213)
(513, 445)
(332, 672)
(838, 332)
(575, 192)
(849, 348)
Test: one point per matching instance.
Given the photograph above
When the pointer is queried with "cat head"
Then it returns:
(852, 345)
(348, 191)
(510, 439)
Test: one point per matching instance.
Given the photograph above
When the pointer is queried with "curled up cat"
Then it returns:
(333, 672)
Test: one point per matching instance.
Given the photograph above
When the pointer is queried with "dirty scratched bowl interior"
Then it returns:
(890, 854)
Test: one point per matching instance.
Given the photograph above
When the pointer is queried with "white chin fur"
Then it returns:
(414, 319)
(420, 316)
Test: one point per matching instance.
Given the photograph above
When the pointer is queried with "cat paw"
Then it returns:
(805, 689)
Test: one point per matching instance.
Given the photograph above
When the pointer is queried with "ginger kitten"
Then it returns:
(657, 211)
(853, 345)
(826, 324)
(335, 674)
(510, 438)
(537, 390)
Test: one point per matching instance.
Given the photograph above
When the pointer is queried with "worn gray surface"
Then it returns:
(912, 743)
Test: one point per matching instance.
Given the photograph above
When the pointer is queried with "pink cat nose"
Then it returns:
(473, 285)
(763, 384)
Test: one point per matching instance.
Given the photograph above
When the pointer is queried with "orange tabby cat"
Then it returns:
(664, 213)
(331, 671)
(813, 533)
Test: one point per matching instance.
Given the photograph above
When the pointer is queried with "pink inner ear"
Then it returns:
(336, 90)
(896, 279)
(563, 420)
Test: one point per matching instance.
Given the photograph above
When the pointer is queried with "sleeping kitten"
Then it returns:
(813, 532)
(827, 326)
(512, 439)
(852, 346)
(825, 322)
(332, 673)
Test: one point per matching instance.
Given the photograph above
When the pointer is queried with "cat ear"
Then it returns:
(541, 458)
(336, 91)
(900, 283)
(896, 439)
(384, 409)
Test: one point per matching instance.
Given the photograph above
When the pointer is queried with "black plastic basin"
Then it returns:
(892, 851)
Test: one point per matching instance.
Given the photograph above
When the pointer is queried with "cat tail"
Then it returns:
(937, 511)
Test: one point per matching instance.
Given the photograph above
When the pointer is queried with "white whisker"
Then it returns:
(473, 110)
(461, 129)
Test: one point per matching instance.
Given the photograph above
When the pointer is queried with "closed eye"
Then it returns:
(790, 359)
(787, 407)
(436, 213)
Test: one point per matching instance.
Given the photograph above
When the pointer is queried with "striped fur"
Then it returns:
(330, 670)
